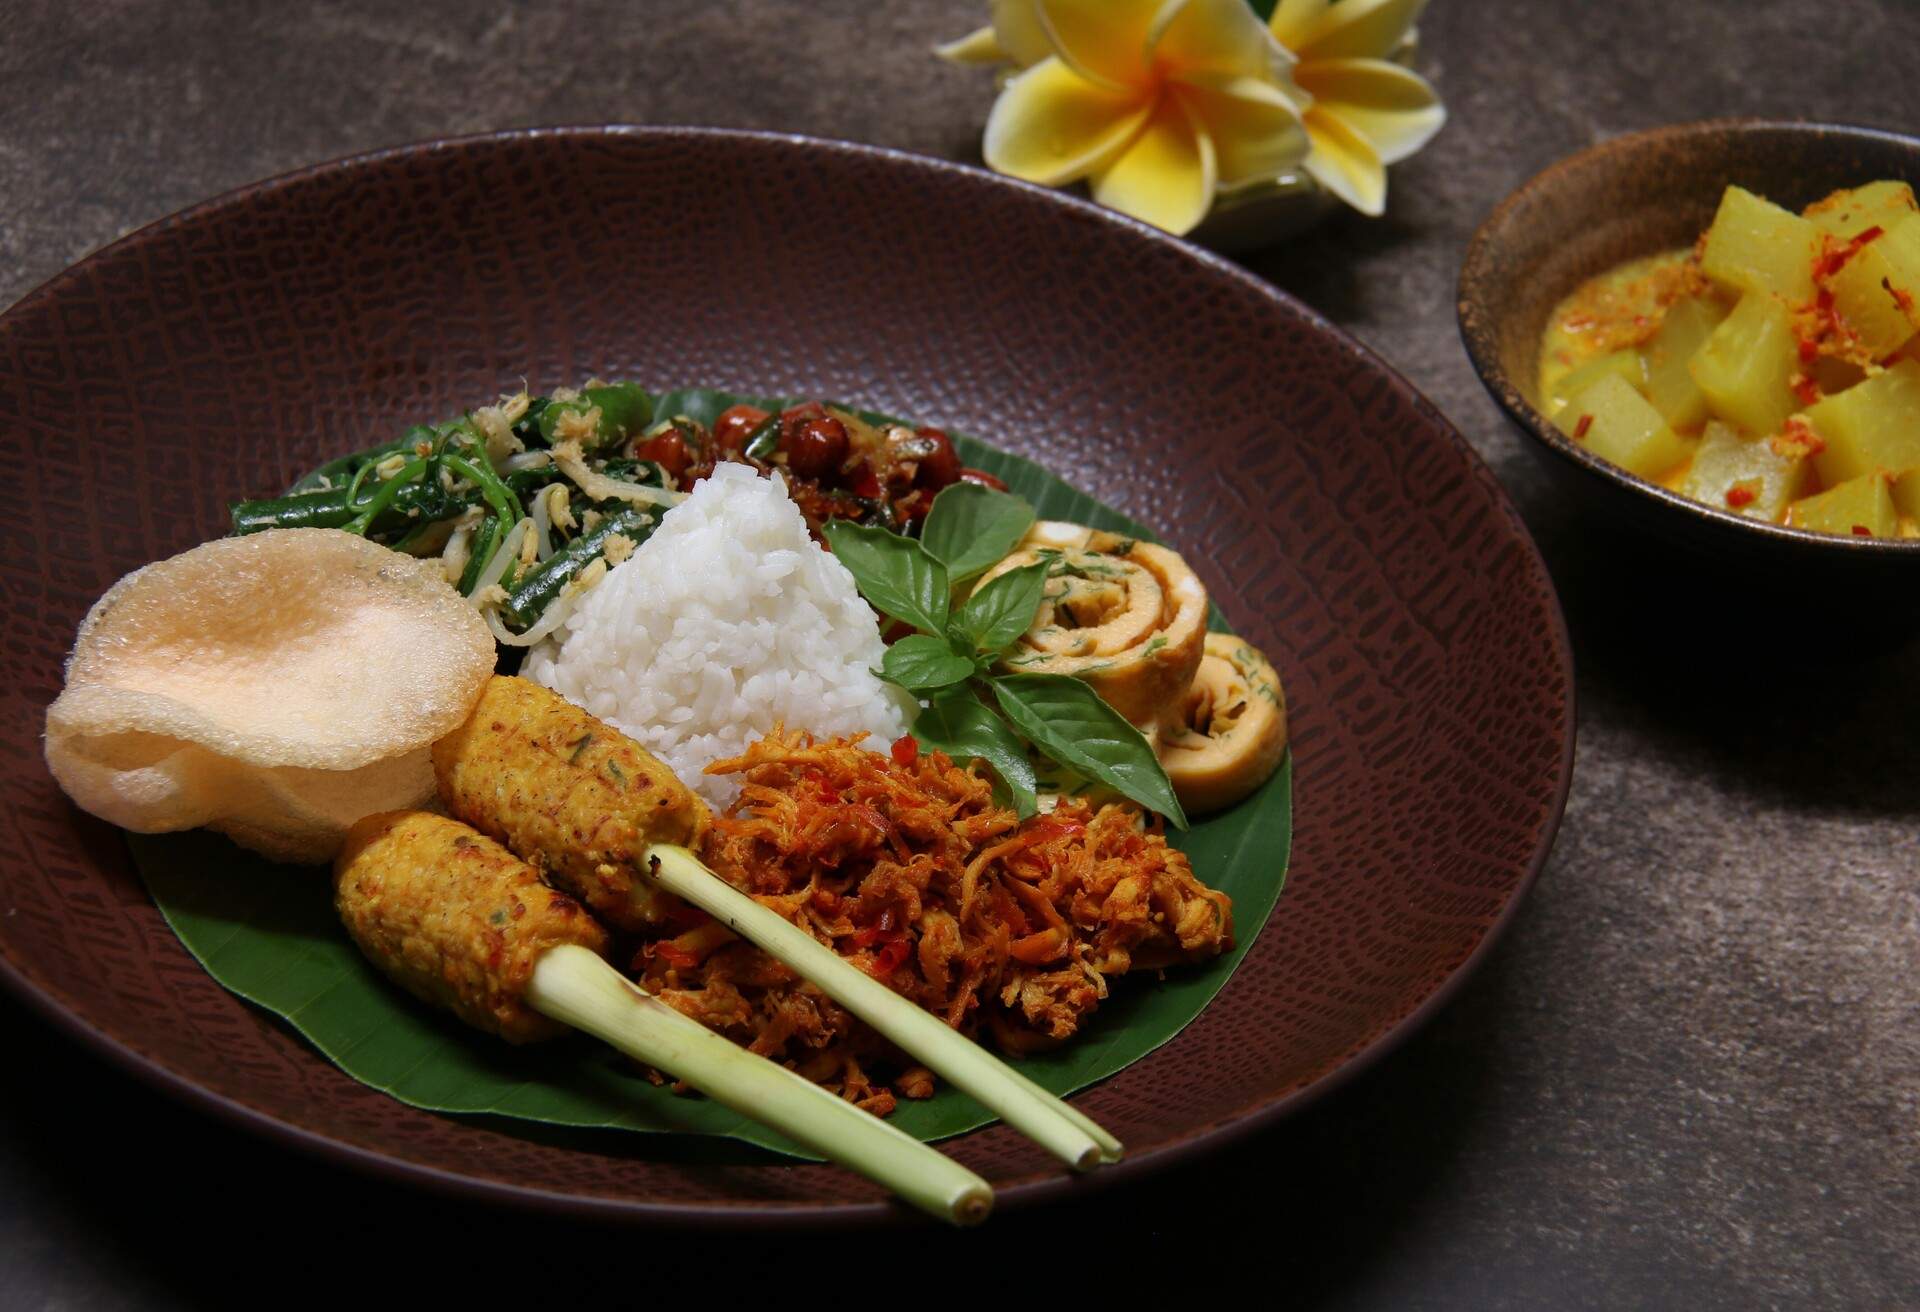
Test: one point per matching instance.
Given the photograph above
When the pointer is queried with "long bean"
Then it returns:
(486, 541)
(531, 596)
(384, 497)
(413, 503)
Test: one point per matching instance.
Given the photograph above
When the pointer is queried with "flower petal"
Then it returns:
(1017, 24)
(1293, 19)
(1358, 28)
(1105, 41)
(1393, 107)
(1346, 164)
(980, 46)
(1211, 39)
(1166, 176)
(1052, 126)
(1255, 128)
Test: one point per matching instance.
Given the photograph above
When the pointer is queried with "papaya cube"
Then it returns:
(1862, 506)
(1850, 212)
(1745, 475)
(1670, 386)
(1621, 426)
(1755, 246)
(1624, 363)
(1877, 291)
(1746, 366)
(1871, 428)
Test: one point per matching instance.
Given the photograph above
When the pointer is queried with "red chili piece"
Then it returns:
(676, 956)
(1580, 429)
(881, 928)
(1835, 258)
(906, 750)
(891, 957)
(1738, 496)
(1047, 829)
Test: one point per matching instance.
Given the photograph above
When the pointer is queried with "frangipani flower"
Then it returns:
(1366, 112)
(1156, 103)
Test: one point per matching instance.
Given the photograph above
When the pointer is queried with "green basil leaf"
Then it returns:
(1002, 610)
(894, 573)
(971, 528)
(959, 724)
(1068, 721)
(921, 663)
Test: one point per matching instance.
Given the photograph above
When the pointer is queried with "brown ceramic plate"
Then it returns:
(1639, 195)
(1339, 520)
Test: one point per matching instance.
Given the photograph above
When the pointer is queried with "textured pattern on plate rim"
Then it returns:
(1339, 520)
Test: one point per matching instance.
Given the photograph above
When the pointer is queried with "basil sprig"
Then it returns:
(949, 660)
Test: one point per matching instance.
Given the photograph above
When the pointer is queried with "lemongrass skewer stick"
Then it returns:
(1069, 1135)
(576, 987)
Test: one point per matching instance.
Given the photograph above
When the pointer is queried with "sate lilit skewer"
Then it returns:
(575, 797)
(461, 922)
(549, 781)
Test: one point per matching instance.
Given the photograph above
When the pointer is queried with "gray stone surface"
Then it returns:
(1690, 1076)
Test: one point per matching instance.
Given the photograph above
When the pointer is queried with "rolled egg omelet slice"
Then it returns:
(1128, 617)
(1231, 730)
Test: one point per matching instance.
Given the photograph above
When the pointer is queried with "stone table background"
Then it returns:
(1690, 1075)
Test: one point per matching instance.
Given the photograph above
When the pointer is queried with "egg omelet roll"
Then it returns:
(1231, 730)
(569, 794)
(455, 919)
(1127, 616)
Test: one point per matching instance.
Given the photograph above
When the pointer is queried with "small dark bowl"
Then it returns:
(1639, 195)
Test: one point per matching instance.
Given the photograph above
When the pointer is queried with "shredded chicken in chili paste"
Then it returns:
(906, 867)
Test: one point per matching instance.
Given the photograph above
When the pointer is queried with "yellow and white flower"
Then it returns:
(1155, 103)
(1366, 111)
(1159, 104)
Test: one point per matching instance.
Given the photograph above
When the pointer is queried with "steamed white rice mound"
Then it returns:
(727, 621)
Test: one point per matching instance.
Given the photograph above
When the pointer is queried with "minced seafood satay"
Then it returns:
(455, 918)
(576, 798)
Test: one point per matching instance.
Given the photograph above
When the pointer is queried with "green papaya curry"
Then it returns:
(1773, 370)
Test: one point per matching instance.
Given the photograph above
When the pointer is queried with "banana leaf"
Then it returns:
(269, 934)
